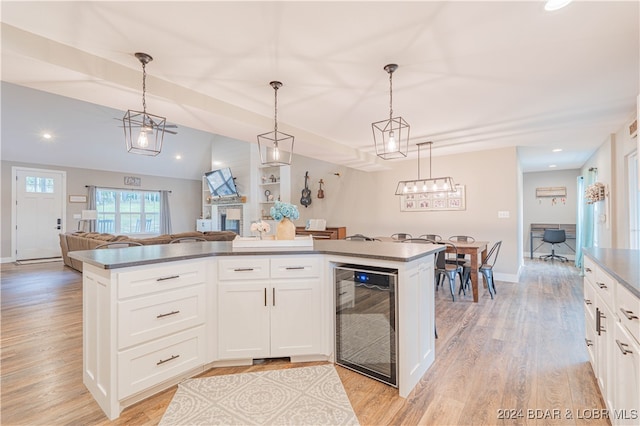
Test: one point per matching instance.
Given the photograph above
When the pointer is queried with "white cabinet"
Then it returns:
(143, 327)
(612, 332)
(269, 308)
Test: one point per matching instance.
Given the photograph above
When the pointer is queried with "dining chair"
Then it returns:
(432, 237)
(401, 236)
(486, 269)
(117, 244)
(448, 269)
(461, 259)
(360, 237)
(187, 240)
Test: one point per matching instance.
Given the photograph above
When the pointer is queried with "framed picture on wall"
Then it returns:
(437, 201)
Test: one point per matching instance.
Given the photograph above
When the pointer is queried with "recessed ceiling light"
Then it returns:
(552, 165)
(46, 135)
(217, 163)
(557, 150)
(178, 157)
(552, 5)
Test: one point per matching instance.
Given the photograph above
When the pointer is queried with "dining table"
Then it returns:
(477, 251)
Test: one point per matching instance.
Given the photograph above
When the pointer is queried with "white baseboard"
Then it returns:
(7, 259)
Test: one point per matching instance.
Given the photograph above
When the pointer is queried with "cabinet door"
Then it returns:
(243, 320)
(604, 343)
(626, 357)
(296, 317)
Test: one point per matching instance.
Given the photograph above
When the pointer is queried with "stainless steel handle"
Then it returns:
(599, 317)
(167, 314)
(587, 269)
(588, 342)
(292, 268)
(243, 269)
(601, 285)
(623, 347)
(273, 293)
(265, 296)
(342, 294)
(587, 302)
(162, 361)
(628, 314)
(171, 277)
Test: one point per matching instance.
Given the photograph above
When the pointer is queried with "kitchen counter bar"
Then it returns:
(621, 264)
(151, 254)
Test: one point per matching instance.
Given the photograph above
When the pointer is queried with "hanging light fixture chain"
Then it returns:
(390, 95)
(144, 87)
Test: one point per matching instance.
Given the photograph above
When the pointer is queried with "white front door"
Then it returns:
(39, 212)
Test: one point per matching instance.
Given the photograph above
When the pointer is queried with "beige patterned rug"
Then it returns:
(294, 396)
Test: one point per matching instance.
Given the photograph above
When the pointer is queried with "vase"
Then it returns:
(286, 230)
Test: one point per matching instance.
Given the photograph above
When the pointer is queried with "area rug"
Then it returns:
(294, 396)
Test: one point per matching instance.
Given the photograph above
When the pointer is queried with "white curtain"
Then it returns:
(165, 213)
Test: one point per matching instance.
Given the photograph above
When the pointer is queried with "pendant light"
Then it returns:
(276, 148)
(143, 132)
(391, 137)
(428, 185)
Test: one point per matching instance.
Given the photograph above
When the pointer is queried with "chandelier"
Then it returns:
(143, 132)
(276, 148)
(426, 185)
(391, 137)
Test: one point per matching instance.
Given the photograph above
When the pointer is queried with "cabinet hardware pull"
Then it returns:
(601, 285)
(290, 268)
(243, 269)
(598, 319)
(162, 361)
(588, 342)
(587, 301)
(628, 314)
(623, 347)
(273, 292)
(342, 294)
(167, 314)
(265, 296)
(171, 277)
(587, 269)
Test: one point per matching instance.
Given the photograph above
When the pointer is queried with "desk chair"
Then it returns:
(553, 237)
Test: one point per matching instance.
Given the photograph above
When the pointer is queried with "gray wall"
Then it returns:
(185, 199)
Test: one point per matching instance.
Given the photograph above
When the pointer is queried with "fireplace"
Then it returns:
(231, 218)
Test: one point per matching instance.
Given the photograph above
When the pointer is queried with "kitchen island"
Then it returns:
(154, 315)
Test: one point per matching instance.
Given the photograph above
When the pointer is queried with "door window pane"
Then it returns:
(39, 184)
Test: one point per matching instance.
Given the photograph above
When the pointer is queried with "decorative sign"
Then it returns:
(553, 192)
(132, 181)
(77, 198)
(435, 201)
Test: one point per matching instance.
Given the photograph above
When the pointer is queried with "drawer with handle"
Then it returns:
(160, 278)
(628, 310)
(145, 318)
(243, 269)
(295, 267)
(152, 363)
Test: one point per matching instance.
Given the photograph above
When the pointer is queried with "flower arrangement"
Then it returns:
(594, 193)
(260, 227)
(280, 210)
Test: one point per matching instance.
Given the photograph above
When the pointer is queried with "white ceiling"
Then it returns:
(472, 75)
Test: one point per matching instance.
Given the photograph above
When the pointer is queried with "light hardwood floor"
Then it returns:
(522, 351)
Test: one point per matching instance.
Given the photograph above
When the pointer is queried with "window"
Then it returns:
(128, 212)
(39, 184)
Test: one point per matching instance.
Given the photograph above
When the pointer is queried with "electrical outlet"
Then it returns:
(503, 214)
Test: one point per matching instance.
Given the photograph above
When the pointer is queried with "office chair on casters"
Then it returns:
(553, 237)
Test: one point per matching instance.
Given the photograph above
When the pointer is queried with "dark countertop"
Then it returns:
(621, 264)
(151, 254)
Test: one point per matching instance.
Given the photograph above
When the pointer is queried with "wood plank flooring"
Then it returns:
(522, 351)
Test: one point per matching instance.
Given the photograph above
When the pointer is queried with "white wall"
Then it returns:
(549, 210)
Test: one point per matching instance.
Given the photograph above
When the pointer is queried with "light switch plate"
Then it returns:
(503, 214)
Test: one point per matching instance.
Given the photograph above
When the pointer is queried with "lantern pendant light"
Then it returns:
(143, 132)
(391, 137)
(276, 148)
(426, 185)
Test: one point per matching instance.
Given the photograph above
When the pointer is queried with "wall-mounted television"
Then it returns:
(221, 184)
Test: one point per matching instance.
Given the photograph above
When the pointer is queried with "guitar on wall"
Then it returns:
(306, 193)
(321, 191)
